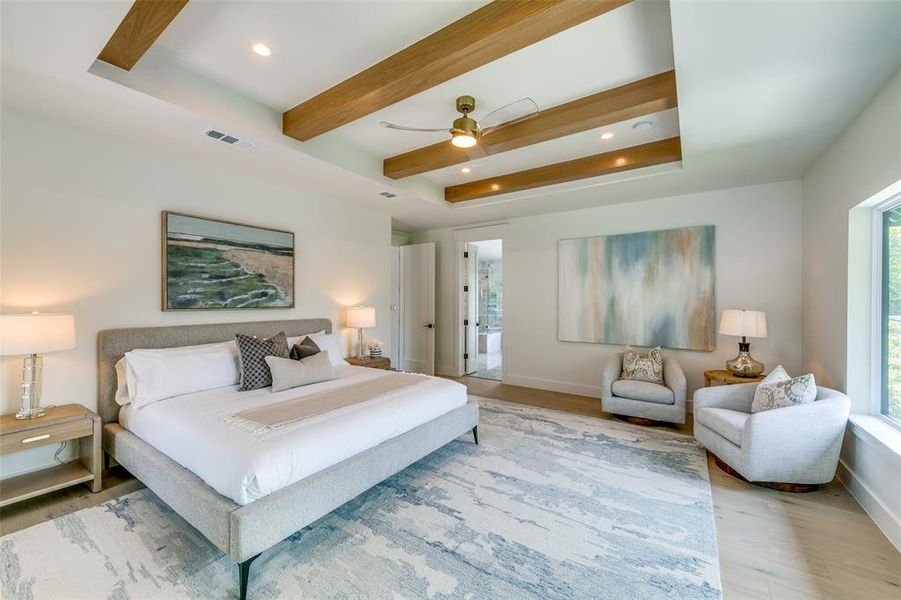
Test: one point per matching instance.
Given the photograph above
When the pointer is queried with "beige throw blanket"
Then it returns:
(264, 418)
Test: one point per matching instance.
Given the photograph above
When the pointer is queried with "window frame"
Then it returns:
(879, 404)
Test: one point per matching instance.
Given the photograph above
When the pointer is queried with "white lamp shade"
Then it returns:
(361, 317)
(743, 323)
(36, 333)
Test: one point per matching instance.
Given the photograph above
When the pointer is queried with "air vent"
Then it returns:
(231, 140)
(387, 194)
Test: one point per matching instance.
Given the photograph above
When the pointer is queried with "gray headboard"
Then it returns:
(112, 344)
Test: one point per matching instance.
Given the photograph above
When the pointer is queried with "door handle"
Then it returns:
(429, 326)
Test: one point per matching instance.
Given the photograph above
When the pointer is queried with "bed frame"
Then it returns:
(245, 532)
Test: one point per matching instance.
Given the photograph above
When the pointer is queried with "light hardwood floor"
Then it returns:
(772, 545)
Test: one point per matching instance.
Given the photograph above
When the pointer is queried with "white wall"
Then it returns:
(80, 233)
(865, 159)
(758, 258)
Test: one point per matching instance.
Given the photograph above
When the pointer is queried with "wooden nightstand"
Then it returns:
(60, 424)
(726, 377)
(381, 362)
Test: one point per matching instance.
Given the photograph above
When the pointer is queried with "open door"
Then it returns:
(417, 308)
(471, 309)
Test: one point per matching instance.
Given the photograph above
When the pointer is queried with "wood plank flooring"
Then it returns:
(772, 545)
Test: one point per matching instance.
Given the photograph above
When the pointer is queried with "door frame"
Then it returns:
(461, 237)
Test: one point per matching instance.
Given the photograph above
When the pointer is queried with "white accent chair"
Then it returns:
(641, 399)
(784, 446)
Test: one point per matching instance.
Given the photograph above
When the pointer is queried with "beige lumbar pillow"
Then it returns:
(778, 390)
(643, 368)
(288, 373)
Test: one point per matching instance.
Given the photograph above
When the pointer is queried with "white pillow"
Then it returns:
(122, 397)
(779, 390)
(155, 375)
(298, 339)
(332, 343)
(288, 373)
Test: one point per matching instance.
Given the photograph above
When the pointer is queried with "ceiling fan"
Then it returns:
(466, 131)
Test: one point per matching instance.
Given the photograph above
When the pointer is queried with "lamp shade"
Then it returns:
(36, 333)
(743, 323)
(361, 317)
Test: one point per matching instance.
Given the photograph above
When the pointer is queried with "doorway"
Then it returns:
(483, 309)
(413, 306)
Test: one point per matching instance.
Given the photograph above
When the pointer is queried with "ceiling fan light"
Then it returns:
(463, 139)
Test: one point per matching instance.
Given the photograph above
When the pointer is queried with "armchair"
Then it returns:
(641, 401)
(794, 448)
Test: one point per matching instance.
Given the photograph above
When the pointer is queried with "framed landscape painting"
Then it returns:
(654, 288)
(210, 264)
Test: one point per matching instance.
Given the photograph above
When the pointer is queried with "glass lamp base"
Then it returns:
(744, 364)
(33, 413)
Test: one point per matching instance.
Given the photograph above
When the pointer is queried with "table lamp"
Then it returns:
(32, 335)
(361, 317)
(745, 324)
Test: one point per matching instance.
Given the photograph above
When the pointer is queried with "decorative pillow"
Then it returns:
(643, 368)
(160, 373)
(255, 372)
(288, 373)
(304, 349)
(778, 390)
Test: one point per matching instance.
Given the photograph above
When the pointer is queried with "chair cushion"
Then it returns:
(642, 390)
(727, 423)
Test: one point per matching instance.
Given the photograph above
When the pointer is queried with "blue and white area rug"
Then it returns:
(550, 505)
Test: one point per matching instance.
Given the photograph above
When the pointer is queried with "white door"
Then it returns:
(394, 352)
(417, 308)
(471, 309)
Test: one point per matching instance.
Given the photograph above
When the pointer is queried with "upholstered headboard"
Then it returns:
(112, 344)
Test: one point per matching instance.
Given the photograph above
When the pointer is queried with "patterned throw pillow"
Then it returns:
(304, 349)
(255, 373)
(643, 368)
(778, 390)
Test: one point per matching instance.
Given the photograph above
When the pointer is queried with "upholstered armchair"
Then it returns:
(782, 447)
(641, 400)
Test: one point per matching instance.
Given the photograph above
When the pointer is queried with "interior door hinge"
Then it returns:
(466, 321)
(465, 356)
(465, 288)
(466, 255)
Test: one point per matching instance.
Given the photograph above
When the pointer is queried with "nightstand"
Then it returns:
(60, 424)
(379, 362)
(726, 377)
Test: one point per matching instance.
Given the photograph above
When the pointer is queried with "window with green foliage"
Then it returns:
(891, 313)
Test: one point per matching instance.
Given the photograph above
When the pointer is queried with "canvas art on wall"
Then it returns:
(213, 264)
(645, 289)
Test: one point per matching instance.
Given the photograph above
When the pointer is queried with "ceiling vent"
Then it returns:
(231, 140)
(387, 194)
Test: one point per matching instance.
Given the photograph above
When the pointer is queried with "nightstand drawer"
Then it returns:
(40, 436)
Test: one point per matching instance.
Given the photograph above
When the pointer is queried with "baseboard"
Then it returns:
(554, 385)
(873, 506)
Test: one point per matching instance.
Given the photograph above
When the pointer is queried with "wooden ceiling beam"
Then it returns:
(622, 103)
(487, 34)
(143, 24)
(626, 159)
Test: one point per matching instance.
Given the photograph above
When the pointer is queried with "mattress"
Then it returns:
(245, 466)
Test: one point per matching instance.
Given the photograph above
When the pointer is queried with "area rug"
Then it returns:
(550, 505)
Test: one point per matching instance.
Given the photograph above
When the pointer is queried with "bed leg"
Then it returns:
(475, 434)
(244, 571)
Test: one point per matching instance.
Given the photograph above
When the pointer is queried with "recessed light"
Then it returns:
(643, 125)
(466, 170)
(495, 187)
(620, 161)
(607, 135)
(261, 49)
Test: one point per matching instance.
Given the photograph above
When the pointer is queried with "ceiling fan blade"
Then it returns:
(388, 125)
(529, 108)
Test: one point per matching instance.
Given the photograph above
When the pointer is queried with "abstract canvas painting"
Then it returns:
(654, 288)
(213, 264)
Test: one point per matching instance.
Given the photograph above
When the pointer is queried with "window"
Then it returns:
(891, 313)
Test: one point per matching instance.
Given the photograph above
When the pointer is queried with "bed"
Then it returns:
(258, 491)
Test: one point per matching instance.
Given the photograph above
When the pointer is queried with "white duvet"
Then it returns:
(246, 466)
